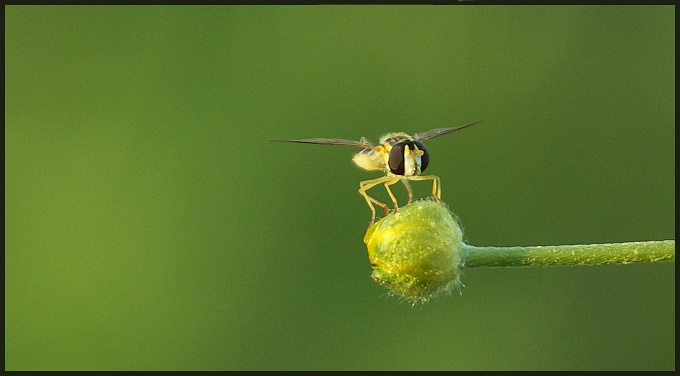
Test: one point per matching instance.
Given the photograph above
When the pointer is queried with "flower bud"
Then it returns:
(416, 252)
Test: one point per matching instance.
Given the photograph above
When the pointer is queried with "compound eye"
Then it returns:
(396, 161)
(425, 158)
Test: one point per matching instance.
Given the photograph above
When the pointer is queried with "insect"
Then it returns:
(400, 156)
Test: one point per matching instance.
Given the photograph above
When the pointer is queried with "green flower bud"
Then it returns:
(416, 252)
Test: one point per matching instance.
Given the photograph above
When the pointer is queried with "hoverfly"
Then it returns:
(400, 156)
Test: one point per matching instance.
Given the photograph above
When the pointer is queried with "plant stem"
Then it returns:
(590, 254)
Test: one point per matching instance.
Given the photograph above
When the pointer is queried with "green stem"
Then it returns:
(591, 254)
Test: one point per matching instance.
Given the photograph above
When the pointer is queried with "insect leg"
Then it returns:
(408, 188)
(368, 184)
(436, 185)
(389, 192)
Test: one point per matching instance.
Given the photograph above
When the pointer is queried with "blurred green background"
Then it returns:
(150, 225)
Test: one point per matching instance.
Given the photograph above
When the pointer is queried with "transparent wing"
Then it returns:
(331, 141)
(439, 131)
